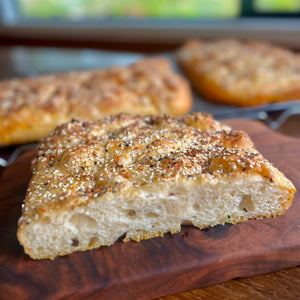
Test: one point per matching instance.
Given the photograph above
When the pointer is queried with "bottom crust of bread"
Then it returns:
(212, 90)
(151, 211)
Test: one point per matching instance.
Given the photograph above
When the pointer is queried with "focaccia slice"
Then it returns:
(142, 177)
(241, 73)
(30, 108)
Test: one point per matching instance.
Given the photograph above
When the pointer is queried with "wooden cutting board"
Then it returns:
(191, 259)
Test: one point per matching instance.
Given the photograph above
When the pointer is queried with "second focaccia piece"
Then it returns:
(241, 73)
(30, 108)
(96, 181)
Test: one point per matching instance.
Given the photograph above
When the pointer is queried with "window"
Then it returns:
(162, 21)
(80, 9)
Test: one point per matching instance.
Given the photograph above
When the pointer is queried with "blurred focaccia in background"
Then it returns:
(30, 108)
(241, 73)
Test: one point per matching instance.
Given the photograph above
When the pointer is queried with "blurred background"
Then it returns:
(48, 36)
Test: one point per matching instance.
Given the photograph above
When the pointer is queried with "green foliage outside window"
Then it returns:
(133, 8)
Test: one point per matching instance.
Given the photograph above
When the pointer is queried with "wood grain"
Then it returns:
(161, 266)
(283, 284)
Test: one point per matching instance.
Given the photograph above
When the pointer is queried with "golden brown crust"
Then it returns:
(80, 162)
(241, 73)
(30, 108)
